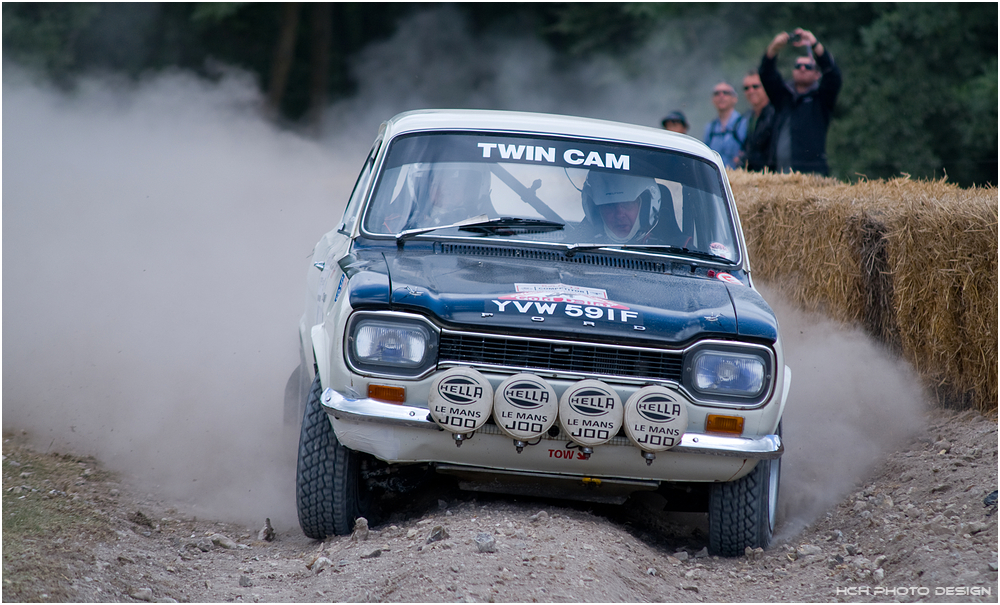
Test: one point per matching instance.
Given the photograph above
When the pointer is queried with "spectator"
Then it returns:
(760, 125)
(727, 132)
(675, 122)
(803, 107)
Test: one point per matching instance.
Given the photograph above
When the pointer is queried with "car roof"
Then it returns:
(543, 123)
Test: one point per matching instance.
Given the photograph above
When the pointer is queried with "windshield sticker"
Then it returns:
(573, 157)
(729, 279)
(720, 250)
(530, 153)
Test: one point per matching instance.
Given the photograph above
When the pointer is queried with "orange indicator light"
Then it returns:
(731, 425)
(387, 393)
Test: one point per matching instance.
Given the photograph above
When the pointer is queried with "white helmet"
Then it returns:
(603, 188)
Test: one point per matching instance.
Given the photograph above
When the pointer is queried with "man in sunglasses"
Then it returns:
(760, 125)
(803, 106)
(727, 132)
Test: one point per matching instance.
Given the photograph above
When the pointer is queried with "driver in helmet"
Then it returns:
(451, 192)
(620, 208)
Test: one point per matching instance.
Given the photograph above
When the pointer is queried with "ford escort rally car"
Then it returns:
(539, 304)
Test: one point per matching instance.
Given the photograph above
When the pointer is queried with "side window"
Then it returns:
(354, 204)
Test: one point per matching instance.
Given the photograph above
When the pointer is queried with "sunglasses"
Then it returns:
(723, 92)
(805, 66)
(752, 87)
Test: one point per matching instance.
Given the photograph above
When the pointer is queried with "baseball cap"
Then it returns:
(674, 116)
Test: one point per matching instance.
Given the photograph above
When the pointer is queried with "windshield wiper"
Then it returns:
(648, 247)
(512, 225)
(486, 225)
(402, 236)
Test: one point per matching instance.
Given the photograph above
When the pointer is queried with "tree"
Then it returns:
(920, 79)
(920, 95)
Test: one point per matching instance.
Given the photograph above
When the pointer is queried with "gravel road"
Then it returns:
(922, 527)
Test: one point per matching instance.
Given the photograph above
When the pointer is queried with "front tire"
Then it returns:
(328, 485)
(742, 513)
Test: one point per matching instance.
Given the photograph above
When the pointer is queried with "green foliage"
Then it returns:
(920, 79)
(43, 35)
(919, 95)
(584, 28)
(215, 12)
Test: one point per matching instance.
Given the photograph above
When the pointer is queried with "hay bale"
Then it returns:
(913, 262)
(796, 230)
(943, 249)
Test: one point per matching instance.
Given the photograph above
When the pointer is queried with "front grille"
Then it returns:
(480, 349)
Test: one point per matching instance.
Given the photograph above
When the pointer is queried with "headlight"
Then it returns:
(728, 374)
(391, 345)
(377, 342)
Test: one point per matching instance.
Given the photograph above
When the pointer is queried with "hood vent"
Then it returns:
(599, 260)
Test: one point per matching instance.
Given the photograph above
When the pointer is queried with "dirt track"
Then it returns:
(918, 525)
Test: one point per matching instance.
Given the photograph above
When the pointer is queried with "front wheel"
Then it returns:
(328, 486)
(742, 513)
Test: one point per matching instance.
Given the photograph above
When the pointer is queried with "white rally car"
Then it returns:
(539, 304)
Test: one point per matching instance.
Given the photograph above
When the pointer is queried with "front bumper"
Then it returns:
(400, 433)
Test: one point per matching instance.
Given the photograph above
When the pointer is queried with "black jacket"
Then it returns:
(757, 148)
(806, 115)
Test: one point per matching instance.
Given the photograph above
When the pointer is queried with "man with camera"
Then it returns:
(802, 107)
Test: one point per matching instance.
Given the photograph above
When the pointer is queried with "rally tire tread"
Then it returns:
(738, 513)
(326, 486)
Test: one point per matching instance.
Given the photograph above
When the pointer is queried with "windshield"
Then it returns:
(565, 191)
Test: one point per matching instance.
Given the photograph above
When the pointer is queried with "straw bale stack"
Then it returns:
(913, 262)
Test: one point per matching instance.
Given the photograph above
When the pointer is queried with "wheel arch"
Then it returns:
(321, 352)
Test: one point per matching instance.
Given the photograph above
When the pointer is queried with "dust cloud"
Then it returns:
(156, 240)
(157, 234)
(434, 60)
(850, 403)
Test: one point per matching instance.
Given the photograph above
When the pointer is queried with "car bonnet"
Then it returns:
(563, 300)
